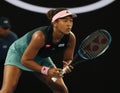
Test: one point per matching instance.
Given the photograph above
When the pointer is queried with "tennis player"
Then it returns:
(32, 52)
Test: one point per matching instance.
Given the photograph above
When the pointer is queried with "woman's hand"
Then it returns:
(55, 72)
(67, 68)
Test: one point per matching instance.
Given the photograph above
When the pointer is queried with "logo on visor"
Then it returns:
(78, 9)
(67, 11)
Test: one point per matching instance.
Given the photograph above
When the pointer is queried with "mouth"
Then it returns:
(68, 29)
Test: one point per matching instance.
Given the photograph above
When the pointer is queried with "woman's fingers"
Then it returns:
(68, 69)
(57, 72)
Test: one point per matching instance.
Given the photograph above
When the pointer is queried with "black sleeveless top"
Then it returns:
(49, 47)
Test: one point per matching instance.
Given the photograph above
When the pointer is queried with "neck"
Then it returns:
(57, 36)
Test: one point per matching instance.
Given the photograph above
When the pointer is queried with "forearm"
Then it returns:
(32, 65)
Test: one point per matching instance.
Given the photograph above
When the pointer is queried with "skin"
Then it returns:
(4, 32)
(61, 27)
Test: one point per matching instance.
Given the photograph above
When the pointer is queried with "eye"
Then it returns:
(65, 20)
(71, 20)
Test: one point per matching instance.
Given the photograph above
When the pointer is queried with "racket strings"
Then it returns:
(105, 35)
(100, 38)
(88, 53)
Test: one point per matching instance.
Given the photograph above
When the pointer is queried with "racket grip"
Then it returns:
(54, 79)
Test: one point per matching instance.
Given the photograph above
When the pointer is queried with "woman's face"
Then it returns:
(64, 25)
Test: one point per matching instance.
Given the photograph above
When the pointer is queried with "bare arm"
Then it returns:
(69, 52)
(37, 41)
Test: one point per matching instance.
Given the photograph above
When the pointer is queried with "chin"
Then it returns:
(67, 32)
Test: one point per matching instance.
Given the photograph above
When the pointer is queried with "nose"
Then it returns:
(69, 24)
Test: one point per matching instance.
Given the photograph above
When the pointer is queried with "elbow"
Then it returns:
(24, 61)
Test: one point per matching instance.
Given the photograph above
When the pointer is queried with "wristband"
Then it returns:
(44, 70)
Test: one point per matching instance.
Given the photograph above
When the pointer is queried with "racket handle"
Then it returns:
(54, 79)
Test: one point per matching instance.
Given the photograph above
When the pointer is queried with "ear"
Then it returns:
(54, 23)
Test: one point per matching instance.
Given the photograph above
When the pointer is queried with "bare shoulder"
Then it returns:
(38, 35)
(72, 40)
(72, 36)
(38, 38)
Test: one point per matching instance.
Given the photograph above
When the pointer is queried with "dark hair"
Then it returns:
(52, 12)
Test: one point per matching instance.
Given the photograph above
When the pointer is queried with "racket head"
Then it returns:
(95, 44)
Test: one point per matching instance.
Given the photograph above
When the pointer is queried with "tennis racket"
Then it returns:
(94, 45)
